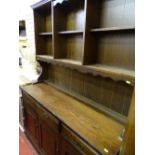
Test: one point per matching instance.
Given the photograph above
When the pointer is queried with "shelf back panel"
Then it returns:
(44, 19)
(113, 13)
(116, 49)
(43, 23)
(74, 47)
(71, 15)
(48, 46)
(103, 92)
(48, 23)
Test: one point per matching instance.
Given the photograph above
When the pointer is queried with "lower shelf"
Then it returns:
(69, 61)
(46, 58)
(115, 73)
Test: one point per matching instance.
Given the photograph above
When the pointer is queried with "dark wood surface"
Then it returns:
(87, 50)
(115, 45)
(77, 142)
(49, 140)
(128, 146)
(67, 149)
(31, 124)
(125, 28)
(115, 73)
(97, 129)
(43, 27)
(71, 32)
(107, 94)
(114, 49)
(45, 33)
(68, 30)
(52, 133)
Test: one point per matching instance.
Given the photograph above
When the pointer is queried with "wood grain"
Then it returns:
(43, 29)
(125, 28)
(128, 146)
(103, 134)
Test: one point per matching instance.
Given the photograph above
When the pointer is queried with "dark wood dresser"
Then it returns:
(81, 104)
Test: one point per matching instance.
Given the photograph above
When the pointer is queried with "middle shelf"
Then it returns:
(45, 33)
(70, 32)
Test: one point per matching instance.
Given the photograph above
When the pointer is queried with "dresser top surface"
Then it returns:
(99, 130)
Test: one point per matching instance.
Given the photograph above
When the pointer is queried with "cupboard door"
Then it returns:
(68, 149)
(49, 140)
(31, 125)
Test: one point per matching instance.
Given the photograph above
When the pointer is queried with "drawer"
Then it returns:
(77, 142)
(51, 121)
(44, 116)
(28, 100)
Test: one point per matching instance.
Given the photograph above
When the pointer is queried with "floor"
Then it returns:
(25, 147)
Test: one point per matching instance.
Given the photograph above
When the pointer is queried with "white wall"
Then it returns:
(26, 13)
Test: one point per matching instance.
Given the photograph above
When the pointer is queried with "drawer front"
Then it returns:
(28, 100)
(44, 115)
(77, 142)
(52, 122)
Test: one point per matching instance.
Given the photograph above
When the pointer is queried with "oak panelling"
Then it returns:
(43, 23)
(70, 47)
(100, 35)
(116, 49)
(104, 133)
(77, 142)
(39, 41)
(46, 20)
(116, 96)
(68, 149)
(48, 45)
(60, 76)
(77, 82)
(128, 146)
(127, 100)
(72, 13)
(121, 98)
(113, 13)
(74, 47)
(49, 140)
(103, 91)
(59, 51)
(89, 40)
(92, 88)
(107, 92)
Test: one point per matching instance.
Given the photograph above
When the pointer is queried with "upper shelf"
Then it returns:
(45, 33)
(115, 73)
(122, 28)
(70, 32)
